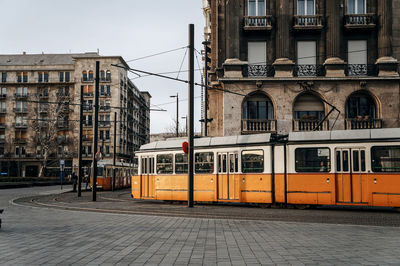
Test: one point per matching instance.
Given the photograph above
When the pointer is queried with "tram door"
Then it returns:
(227, 176)
(147, 177)
(350, 174)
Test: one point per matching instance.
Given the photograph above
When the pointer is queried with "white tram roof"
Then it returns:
(362, 134)
(208, 142)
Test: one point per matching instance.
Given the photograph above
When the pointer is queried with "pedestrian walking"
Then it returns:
(74, 181)
(87, 181)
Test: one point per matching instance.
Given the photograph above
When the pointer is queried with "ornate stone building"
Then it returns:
(301, 65)
(40, 105)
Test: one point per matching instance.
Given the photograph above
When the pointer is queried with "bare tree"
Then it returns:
(171, 129)
(47, 120)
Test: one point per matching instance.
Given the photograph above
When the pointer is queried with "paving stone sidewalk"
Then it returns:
(47, 236)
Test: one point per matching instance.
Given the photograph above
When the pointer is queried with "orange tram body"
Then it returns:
(306, 168)
(123, 175)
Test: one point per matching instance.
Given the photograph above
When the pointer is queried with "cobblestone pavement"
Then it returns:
(48, 236)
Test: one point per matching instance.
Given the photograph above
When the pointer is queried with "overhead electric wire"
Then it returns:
(156, 54)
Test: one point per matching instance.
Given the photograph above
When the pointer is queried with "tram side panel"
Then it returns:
(279, 167)
(310, 177)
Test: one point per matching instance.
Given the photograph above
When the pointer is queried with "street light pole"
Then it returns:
(191, 117)
(177, 113)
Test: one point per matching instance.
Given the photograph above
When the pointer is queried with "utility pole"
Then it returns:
(80, 145)
(115, 151)
(95, 131)
(177, 113)
(191, 116)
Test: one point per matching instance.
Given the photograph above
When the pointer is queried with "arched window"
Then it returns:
(108, 75)
(258, 114)
(360, 105)
(91, 75)
(84, 75)
(308, 111)
(258, 106)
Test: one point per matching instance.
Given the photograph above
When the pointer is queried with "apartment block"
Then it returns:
(40, 111)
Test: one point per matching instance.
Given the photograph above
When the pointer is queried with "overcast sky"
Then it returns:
(129, 28)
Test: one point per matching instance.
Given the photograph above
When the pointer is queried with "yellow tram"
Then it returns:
(309, 168)
(123, 174)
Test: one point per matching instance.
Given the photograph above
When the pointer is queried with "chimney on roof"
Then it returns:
(24, 53)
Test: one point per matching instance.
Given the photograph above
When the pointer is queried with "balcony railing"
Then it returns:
(87, 79)
(260, 70)
(258, 125)
(20, 110)
(20, 125)
(363, 123)
(88, 94)
(21, 95)
(104, 123)
(308, 22)
(357, 21)
(257, 23)
(361, 70)
(309, 125)
(309, 71)
(105, 79)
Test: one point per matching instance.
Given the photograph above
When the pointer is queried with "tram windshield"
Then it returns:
(253, 161)
(385, 159)
(312, 160)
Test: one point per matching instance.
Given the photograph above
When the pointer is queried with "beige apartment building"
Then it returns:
(302, 65)
(40, 111)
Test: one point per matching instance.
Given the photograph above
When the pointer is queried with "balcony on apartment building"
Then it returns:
(21, 95)
(363, 123)
(21, 125)
(359, 70)
(3, 125)
(308, 22)
(20, 110)
(309, 71)
(3, 110)
(257, 23)
(250, 126)
(309, 125)
(359, 21)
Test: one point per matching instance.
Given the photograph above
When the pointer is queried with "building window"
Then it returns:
(3, 92)
(102, 75)
(357, 58)
(108, 75)
(257, 59)
(306, 58)
(360, 105)
(108, 88)
(305, 7)
(258, 106)
(308, 111)
(25, 76)
(84, 75)
(22, 76)
(356, 6)
(61, 76)
(67, 77)
(91, 75)
(3, 76)
(43, 77)
(257, 8)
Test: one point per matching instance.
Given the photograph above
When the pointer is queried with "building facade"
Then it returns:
(302, 65)
(40, 111)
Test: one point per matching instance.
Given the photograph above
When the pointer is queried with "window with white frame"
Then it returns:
(356, 6)
(305, 7)
(257, 8)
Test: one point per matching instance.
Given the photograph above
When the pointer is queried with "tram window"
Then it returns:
(345, 161)
(233, 163)
(312, 160)
(338, 161)
(144, 166)
(363, 160)
(224, 163)
(204, 162)
(181, 163)
(135, 166)
(151, 165)
(356, 161)
(100, 171)
(219, 163)
(253, 161)
(165, 164)
(385, 158)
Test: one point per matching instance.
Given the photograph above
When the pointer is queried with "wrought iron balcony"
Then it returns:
(363, 123)
(21, 95)
(308, 22)
(260, 71)
(309, 125)
(309, 71)
(20, 110)
(257, 23)
(20, 125)
(361, 70)
(258, 125)
(360, 21)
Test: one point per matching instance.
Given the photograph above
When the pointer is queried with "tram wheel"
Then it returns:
(302, 206)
